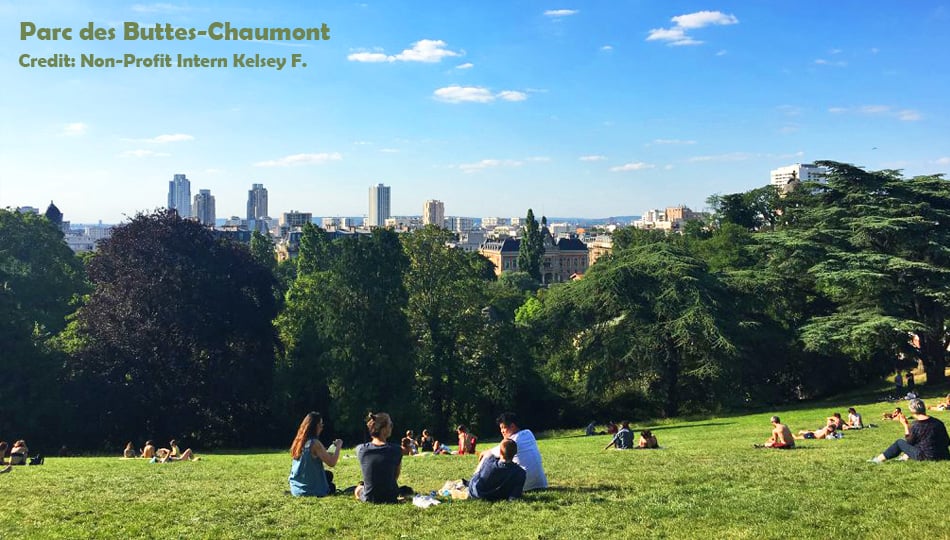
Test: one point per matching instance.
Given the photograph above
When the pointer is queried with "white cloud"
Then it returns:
(700, 19)
(512, 95)
(459, 94)
(676, 35)
(834, 51)
(74, 129)
(636, 166)
(466, 65)
(174, 137)
(489, 164)
(141, 153)
(475, 94)
(823, 62)
(723, 52)
(607, 48)
(592, 158)
(368, 57)
(672, 141)
(943, 161)
(667, 167)
(561, 12)
(908, 115)
(389, 150)
(539, 158)
(301, 159)
(875, 50)
(424, 50)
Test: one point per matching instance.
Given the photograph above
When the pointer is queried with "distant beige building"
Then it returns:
(564, 258)
(433, 213)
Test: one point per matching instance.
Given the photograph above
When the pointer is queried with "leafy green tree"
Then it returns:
(650, 317)
(176, 339)
(345, 331)
(40, 279)
(876, 245)
(447, 298)
(262, 248)
(756, 209)
(531, 249)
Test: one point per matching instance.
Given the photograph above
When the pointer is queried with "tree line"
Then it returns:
(168, 331)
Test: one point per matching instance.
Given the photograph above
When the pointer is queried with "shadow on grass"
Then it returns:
(706, 424)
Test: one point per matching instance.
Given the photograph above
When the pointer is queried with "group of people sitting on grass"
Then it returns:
(159, 455)
(623, 439)
(19, 454)
(925, 439)
(503, 472)
(426, 444)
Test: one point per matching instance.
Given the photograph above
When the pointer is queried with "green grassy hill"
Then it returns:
(707, 482)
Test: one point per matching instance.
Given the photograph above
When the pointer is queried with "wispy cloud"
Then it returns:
(635, 166)
(389, 150)
(475, 94)
(905, 115)
(908, 115)
(823, 62)
(466, 65)
(168, 138)
(142, 153)
(301, 159)
(677, 34)
(489, 164)
(943, 161)
(607, 48)
(424, 50)
(723, 52)
(557, 13)
(512, 95)
(592, 158)
(74, 129)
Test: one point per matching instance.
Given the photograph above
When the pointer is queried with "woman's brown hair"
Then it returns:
(377, 422)
(306, 431)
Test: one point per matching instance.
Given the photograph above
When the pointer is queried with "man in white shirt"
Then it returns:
(528, 456)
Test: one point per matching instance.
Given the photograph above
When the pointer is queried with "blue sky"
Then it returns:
(591, 108)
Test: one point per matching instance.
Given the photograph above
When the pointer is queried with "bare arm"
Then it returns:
(318, 451)
(903, 420)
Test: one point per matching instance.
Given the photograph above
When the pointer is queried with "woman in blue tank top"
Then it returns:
(307, 475)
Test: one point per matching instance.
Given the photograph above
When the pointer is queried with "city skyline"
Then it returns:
(572, 109)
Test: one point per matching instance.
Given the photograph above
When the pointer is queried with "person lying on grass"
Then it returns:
(836, 420)
(623, 439)
(823, 433)
(308, 478)
(178, 455)
(941, 406)
(647, 441)
(924, 441)
(781, 436)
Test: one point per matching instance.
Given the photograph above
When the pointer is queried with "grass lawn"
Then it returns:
(706, 482)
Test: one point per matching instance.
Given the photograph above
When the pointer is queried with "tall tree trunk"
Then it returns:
(934, 358)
